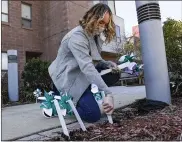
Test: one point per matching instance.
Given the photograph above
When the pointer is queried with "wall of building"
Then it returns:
(76, 10)
(22, 39)
(59, 18)
(111, 4)
(55, 27)
(112, 47)
(120, 22)
(135, 31)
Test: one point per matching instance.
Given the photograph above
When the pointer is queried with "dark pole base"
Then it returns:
(145, 105)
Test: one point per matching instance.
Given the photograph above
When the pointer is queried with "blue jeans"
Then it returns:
(88, 108)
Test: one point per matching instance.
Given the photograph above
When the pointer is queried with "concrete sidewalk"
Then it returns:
(26, 120)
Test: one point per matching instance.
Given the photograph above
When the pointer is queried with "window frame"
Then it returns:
(2, 61)
(23, 18)
(5, 13)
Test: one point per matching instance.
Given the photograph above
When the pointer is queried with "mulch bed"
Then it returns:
(130, 124)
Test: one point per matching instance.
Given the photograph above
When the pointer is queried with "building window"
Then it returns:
(4, 61)
(118, 31)
(26, 14)
(4, 11)
(118, 34)
(31, 55)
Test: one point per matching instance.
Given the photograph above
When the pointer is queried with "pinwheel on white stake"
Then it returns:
(99, 97)
(59, 105)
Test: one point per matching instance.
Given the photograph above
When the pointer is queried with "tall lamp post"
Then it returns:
(153, 51)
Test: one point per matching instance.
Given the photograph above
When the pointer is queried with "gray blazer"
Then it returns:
(73, 70)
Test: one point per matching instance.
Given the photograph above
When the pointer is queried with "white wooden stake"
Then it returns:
(110, 118)
(122, 66)
(61, 118)
(77, 115)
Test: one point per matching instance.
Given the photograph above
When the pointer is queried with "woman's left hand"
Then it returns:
(102, 65)
(113, 66)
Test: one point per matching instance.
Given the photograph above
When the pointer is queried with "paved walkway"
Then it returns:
(23, 121)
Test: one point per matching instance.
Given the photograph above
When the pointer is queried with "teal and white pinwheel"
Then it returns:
(64, 103)
(48, 103)
(98, 96)
(37, 93)
(62, 100)
(126, 58)
(96, 93)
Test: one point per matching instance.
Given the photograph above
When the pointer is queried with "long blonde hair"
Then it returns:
(93, 16)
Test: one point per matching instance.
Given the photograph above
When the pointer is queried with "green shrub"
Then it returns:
(35, 75)
(4, 88)
(25, 96)
(173, 43)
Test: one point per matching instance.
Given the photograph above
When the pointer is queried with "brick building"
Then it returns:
(35, 28)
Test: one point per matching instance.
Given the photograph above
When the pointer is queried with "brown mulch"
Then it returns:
(133, 125)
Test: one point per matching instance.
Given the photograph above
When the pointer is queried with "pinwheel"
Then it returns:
(96, 93)
(126, 58)
(37, 93)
